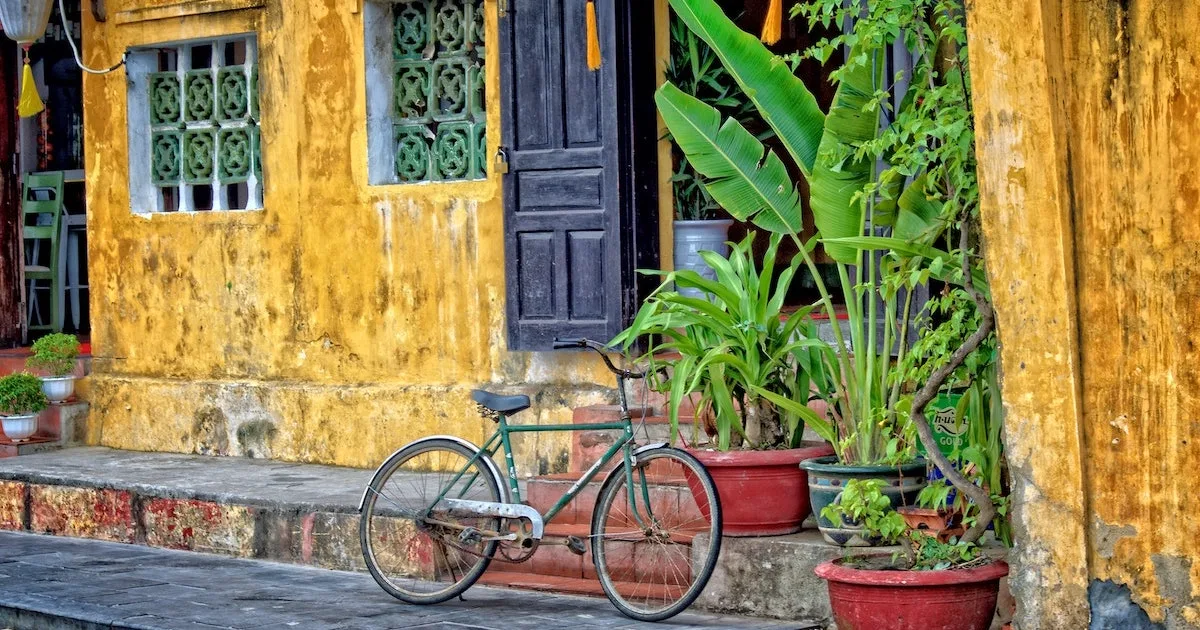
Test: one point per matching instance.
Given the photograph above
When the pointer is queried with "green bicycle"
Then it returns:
(438, 512)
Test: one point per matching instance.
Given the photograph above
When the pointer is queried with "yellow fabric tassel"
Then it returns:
(593, 38)
(31, 102)
(773, 25)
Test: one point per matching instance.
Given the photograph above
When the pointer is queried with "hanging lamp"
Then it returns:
(24, 22)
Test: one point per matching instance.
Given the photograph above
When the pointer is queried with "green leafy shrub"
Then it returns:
(863, 502)
(736, 350)
(55, 353)
(21, 394)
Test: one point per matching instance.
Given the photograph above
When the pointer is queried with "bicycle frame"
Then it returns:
(625, 445)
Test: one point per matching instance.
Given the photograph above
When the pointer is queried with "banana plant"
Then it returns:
(751, 182)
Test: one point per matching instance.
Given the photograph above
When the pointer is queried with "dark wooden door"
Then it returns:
(567, 267)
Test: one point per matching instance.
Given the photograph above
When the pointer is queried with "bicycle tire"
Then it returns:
(624, 569)
(420, 551)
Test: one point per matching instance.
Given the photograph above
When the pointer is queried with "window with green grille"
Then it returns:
(433, 126)
(197, 120)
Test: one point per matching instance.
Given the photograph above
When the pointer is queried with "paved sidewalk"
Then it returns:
(56, 582)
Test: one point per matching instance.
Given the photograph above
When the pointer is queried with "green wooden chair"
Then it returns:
(41, 211)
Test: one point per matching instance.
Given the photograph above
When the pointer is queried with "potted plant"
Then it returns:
(55, 355)
(700, 224)
(930, 583)
(21, 399)
(869, 427)
(724, 349)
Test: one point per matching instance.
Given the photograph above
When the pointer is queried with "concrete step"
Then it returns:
(307, 514)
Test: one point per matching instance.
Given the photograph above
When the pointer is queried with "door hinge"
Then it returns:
(502, 8)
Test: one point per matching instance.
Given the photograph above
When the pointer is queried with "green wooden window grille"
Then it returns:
(204, 126)
(438, 110)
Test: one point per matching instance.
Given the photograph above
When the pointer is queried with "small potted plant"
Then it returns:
(722, 349)
(21, 399)
(930, 583)
(55, 355)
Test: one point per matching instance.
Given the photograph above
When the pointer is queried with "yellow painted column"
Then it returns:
(1089, 146)
(1029, 246)
(666, 200)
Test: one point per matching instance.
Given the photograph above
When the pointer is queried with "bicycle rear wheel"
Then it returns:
(644, 555)
(413, 547)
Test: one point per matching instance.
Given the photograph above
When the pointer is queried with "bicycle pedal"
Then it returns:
(575, 544)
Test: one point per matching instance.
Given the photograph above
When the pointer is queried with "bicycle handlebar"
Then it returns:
(601, 350)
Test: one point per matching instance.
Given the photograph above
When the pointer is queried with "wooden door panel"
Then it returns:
(563, 212)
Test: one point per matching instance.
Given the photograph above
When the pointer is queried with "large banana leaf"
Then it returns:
(837, 177)
(781, 98)
(918, 219)
(748, 181)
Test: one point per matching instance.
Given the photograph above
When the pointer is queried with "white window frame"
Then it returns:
(144, 196)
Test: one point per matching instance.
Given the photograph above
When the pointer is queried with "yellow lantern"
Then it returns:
(25, 22)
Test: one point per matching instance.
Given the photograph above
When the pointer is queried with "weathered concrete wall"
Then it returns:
(1088, 124)
(333, 326)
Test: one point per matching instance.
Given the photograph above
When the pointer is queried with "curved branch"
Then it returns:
(925, 395)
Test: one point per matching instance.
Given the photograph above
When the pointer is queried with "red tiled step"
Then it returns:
(565, 585)
(56, 426)
(588, 446)
(34, 444)
(543, 492)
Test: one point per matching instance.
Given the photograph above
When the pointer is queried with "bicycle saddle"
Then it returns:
(502, 404)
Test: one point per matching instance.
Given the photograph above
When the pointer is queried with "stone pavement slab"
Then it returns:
(57, 582)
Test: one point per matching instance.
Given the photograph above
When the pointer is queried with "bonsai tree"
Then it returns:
(55, 354)
(732, 347)
(21, 394)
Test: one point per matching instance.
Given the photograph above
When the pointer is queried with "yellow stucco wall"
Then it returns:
(335, 325)
(1088, 125)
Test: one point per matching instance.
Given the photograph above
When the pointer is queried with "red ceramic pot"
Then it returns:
(763, 493)
(958, 599)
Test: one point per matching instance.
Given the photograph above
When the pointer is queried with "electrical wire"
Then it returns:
(62, 14)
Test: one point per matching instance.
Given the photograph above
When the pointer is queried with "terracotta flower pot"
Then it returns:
(941, 524)
(763, 493)
(955, 599)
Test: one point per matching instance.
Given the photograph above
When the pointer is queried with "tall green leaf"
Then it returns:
(750, 182)
(838, 177)
(781, 98)
(918, 219)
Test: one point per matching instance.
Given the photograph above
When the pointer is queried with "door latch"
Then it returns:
(500, 163)
(502, 8)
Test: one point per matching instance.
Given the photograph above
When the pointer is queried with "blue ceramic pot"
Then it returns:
(826, 478)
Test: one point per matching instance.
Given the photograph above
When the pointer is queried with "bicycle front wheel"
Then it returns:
(643, 530)
(414, 548)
